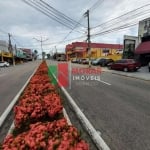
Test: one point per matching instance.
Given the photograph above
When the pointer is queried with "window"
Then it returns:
(105, 50)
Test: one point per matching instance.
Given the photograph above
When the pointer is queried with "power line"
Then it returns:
(39, 8)
(52, 13)
(121, 17)
(61, 14)
(95, 5)
(136, 20)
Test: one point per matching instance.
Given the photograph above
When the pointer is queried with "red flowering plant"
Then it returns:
(53, 104)
(34, 107)
(42, 69)
(57, 135)
(39, 89)
(40, 100)
(29, 109)
(36, 79)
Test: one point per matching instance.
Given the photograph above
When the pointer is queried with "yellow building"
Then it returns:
(80, 50)
(5, 55)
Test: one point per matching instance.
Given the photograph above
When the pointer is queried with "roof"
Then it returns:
(143, 48)
(98, 45)
(94, 45)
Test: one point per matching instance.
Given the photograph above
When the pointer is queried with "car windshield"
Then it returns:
(97, 59)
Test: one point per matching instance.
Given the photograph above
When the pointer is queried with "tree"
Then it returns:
(48, 56)
(35, 54)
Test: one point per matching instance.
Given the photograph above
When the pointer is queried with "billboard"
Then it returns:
(144, 28)
(129, 45)
(129, 48)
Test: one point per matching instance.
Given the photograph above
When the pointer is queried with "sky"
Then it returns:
(28, 26)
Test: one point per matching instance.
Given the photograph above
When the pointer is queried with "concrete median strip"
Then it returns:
(100, 143)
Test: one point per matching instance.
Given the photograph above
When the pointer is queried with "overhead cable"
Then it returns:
(52, 13)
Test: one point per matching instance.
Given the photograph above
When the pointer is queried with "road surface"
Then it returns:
(118, 107)
(12, 80)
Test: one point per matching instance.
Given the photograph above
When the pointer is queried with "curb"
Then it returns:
(100, 143)
(131, 76)
(121, 74)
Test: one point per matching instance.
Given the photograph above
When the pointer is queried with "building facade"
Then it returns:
(15, 54)
(97, 50)
(142, 52)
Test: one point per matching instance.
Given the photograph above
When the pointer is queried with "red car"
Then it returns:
(125, 65)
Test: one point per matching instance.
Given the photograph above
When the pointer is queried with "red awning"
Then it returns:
(143, 48)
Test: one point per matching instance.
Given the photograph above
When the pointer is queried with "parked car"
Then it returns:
(102, 61)
(125, 65)
(74, 60)
(4, 64)
(96, 62)
(85, 61)
(105, 61)
(149, 66)
(81, 60)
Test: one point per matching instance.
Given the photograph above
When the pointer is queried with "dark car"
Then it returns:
(125, 65)
(102, 61)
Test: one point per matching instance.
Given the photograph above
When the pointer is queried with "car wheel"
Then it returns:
(125, 69)
(135, 70)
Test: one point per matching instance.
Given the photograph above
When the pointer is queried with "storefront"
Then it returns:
(80, 50)
(142, 52)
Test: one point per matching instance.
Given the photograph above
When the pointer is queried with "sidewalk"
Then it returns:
(142, 73)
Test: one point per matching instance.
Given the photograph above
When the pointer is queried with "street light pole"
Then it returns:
(41, 41)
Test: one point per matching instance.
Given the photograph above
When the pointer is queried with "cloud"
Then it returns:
(24, 22)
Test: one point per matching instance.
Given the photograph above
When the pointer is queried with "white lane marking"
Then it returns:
(100, 143)
(104, 82)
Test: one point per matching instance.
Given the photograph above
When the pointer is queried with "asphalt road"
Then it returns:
(12, 80)
(118, 107)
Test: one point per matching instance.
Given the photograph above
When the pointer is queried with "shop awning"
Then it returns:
(143, 48)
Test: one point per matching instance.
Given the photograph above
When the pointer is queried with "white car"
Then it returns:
(4, 64)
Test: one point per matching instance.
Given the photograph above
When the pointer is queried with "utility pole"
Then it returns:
(11, 49)
(88, 37)
(41, 41)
